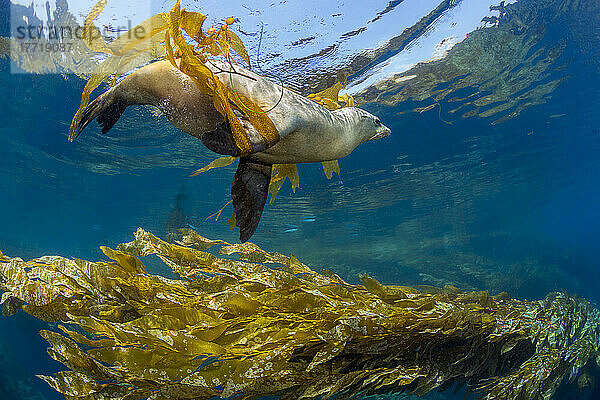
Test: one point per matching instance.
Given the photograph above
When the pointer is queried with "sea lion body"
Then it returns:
(308, 132)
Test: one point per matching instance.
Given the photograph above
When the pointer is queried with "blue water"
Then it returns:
(509, 206)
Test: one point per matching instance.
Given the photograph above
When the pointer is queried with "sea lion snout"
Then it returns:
(382, 131)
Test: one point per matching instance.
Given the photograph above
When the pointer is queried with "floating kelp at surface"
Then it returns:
(268, 324)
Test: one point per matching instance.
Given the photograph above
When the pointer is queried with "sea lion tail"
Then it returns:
(106, 109)
(249, 191)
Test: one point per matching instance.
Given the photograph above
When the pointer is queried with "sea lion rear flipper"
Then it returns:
(111, 114)
(106, 109)
(249, 191)
(221, 140)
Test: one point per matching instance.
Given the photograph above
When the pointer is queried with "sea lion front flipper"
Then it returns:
(249, 191)
(221, 140)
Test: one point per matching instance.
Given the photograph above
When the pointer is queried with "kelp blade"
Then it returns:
(267, 324)
(218, 163)
(329, 167)
(278, 175)
(192, 64)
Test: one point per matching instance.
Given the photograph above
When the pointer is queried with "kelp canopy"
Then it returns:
(266, 324)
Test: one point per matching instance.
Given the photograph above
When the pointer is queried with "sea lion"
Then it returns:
(308, 131)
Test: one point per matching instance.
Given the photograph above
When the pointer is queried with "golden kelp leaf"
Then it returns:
(191, 238)
(231, 221)
(213, 48)
(331, 99)
(72, 384)
(67, 352)
(130, 263)
(218, 163)
(193, 66)
(329, 104)
(240, 136)
(328, 97)
(10, 304)
(91, 35)
(347, 100)
(329, 167)
(330, 93)
(257, 117)
(373, 286)
(190, 64)
(278, 175)
(223, 43)
(126, 43)
(237, 45)
(95, 81)
(203, 77)
(291, 172)
(274, 188)
(423, 109)
(192, 22)
(151, 28)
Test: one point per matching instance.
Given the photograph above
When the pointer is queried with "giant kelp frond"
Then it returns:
(194, 57)
(331, 99)
(267, 324)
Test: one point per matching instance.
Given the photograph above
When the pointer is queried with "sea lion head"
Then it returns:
(364, 124)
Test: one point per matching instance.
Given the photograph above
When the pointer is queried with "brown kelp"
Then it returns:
(265, 323)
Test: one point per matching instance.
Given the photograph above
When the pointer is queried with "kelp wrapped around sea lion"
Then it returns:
(266, 324)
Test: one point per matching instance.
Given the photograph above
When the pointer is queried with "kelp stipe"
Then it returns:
(268, 324)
